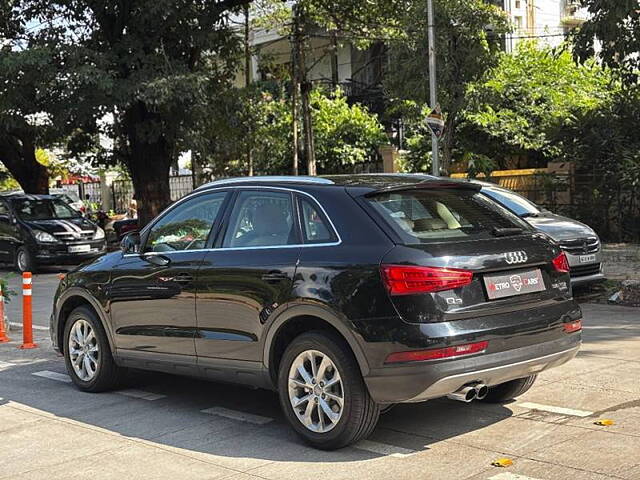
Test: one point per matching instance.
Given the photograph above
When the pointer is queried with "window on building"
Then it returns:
(518, 21)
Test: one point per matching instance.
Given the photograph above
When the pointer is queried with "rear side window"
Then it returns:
(315, 228)
(422, 216)
(261, 219)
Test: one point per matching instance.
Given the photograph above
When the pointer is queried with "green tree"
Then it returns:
(25, 87)
(611, 34)
(153, 65)
(344, 134)
(522, 106)
(260, 118)
(468, 43)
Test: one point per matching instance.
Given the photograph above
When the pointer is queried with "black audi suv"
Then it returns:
(345, 294)
(40, 230)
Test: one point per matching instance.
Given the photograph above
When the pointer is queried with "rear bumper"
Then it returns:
(426, 380)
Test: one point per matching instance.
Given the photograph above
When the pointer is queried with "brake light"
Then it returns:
(438, 353)
(404, 280)
(572, 326)
(560, 263)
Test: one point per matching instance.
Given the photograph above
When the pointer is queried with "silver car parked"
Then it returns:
(579, 241)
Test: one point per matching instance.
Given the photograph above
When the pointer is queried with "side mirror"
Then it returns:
(130, 243)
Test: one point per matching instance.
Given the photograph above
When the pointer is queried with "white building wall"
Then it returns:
(547, 21)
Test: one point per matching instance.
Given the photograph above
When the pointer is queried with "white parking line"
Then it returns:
(141, 394)
(553, 409)
(63, 377)
(6, 365)
(59, 377)
(35, 327)
(383, 449)
(511, 476)
(236, 415)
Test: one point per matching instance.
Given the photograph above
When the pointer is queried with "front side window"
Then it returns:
(43, 209)
(314, 226)
(422, 216)
(187, 226)
(261, 219)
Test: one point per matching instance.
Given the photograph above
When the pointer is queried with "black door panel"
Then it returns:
(153, 294)
(152, 309)
(238, 291)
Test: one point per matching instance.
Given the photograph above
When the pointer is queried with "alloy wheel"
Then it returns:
(22, 260)
(316, 391)
(84, 351)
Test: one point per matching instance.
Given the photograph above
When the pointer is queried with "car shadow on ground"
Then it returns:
(176, 420)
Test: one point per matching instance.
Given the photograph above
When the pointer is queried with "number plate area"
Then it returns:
(587, 258)
(79, 248)
(514, 283)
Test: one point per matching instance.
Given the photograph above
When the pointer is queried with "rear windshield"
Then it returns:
(423, 216)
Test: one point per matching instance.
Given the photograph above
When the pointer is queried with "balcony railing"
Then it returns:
(574, 13)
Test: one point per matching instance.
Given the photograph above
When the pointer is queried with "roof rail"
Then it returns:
(267, 178)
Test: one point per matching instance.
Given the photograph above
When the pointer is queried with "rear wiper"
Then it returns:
(506, 232)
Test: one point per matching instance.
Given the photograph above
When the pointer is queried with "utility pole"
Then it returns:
(247, 80)
(433, 92)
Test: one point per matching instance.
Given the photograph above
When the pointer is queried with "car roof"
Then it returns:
(25, 196)
(370, 181)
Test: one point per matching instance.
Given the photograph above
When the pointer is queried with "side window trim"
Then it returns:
(147, 229)
(215, 241)
(323, 215)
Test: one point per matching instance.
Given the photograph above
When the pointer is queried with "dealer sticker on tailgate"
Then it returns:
(515, 283)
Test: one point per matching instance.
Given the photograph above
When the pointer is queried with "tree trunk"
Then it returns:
(447, 143)
(18, 155)
(148, 162)
(305, 91)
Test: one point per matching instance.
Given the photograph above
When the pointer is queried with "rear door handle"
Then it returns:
(274, 276)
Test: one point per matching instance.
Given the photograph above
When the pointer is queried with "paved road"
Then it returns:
(161, 426)
(45, 284)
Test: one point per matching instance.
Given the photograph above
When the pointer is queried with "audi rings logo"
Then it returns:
(515, 257)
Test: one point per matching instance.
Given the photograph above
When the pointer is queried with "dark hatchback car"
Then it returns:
(344, 294)
(44, 230)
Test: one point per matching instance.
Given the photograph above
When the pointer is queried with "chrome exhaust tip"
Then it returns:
(465, 394)
(481, 391)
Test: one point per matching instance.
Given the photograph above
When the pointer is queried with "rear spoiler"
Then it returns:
(427, 185)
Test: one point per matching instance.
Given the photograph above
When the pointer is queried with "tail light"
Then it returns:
(438, 353)
(573, 326)
(560, 263)
(404, 280)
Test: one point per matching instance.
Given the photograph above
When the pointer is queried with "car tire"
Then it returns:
(84, 336)
(24, 261)
(349, 420)
(504, 392)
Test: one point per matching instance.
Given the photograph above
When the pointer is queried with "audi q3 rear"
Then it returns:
(463, 299)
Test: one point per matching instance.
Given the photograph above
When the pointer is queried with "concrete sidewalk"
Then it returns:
(163, 426)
